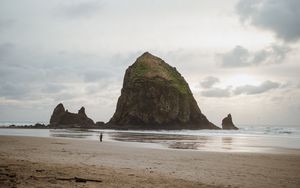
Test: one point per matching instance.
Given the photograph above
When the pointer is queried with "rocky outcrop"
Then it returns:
(100, 124)
(228, 124)
(156, 96)
(57, 114)
(61, 118)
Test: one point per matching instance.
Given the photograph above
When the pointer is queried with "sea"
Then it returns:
(257, 139)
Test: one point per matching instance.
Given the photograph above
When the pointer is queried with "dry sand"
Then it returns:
(52, 162)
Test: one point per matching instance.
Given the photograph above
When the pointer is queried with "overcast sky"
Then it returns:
(239, 57)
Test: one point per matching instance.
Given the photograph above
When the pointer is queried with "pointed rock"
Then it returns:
(156, 96)
(81, 111)
(58, 112)
(228, 124)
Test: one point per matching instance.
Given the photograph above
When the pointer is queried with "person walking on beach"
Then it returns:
(101, 135)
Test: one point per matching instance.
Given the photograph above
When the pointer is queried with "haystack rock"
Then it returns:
(61, 118)
(228, 124)
(156, 96)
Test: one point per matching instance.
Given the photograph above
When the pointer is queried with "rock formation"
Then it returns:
(61, 118)
(228, 124)
(100, 124)
(156, 96)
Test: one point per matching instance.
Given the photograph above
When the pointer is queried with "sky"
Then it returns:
(238, 56)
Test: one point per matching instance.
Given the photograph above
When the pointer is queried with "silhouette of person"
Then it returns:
(101, 135)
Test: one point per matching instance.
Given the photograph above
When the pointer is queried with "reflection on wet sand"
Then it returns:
(71, 133)
(192, 142)
(227, 143)
(167, 140)
(196, 143)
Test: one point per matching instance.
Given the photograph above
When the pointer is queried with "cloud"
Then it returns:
(96, 75)
(29, 75)
(53, 88)
(237, 57)
(252, 90)
(66, 96)
(241, 57)
(81, 9)
(6, 23)
(279, 16)
(231, 91)
(216, 92)
(15, 91)
(5, 49)
(298, 85)
(209, 81)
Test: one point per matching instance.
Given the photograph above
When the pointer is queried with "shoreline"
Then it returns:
(149, 165)
(205, 141)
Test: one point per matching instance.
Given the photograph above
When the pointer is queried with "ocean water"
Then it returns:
(261, 139)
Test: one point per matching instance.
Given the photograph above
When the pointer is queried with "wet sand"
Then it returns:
(53, 162)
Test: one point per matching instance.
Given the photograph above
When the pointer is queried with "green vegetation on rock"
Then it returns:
(177, 80)
(148, 66)
(140, 70)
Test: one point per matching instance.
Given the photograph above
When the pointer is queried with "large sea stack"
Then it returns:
(61, 118)
(156, 96)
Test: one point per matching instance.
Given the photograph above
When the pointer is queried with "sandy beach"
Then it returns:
(53, 162)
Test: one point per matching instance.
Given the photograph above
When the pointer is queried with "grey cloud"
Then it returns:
(96, 87)
(23, 91)
(5, 50)
(15, 91)
(96, 75)
(209, 81)
(286, 85)
(6, 23)
(53, 88)
(237, 57)
(245, 89)
(80, 9)
(216, 92)
(251, 89)
(28, 74)
(65, 96)
(279, 16)
(241, 57)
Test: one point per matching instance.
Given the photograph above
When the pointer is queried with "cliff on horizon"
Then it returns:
(156, 96)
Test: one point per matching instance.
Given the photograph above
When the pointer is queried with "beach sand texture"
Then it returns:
(52, 162)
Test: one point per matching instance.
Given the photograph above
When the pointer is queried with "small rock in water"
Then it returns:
(228, 124)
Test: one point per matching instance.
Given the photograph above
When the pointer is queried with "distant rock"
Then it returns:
(62, 118)
(228, 124)
(39, 125)
(35, 126)
(156, 96)
(100, 124)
